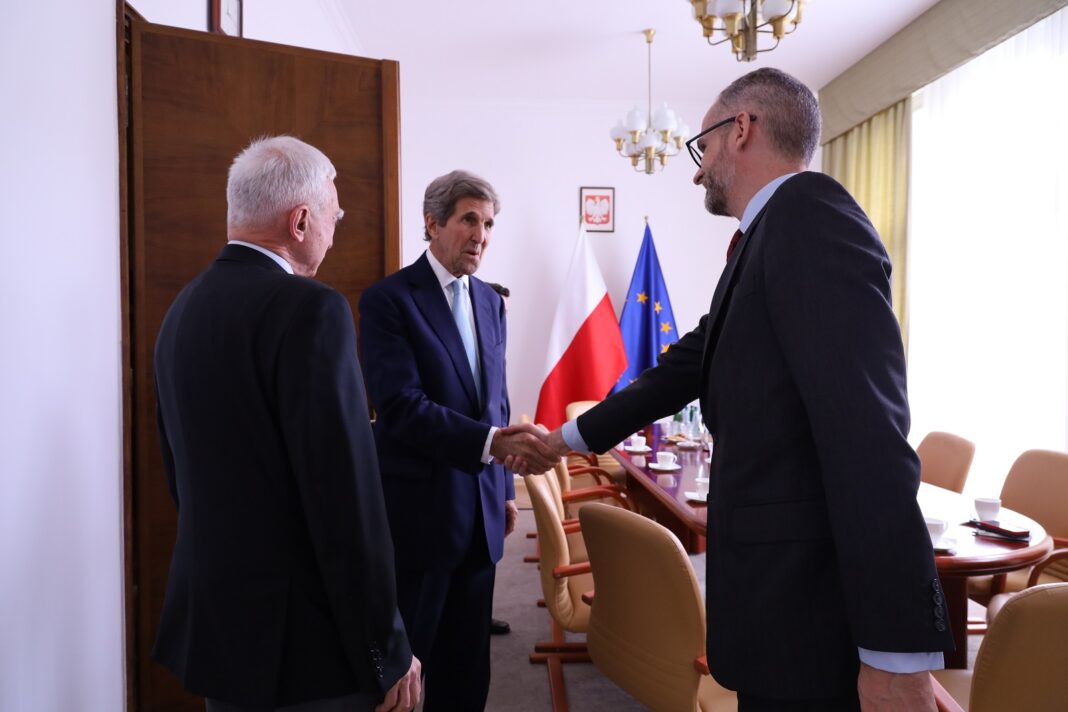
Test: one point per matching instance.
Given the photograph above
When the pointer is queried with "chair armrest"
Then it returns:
(587, 598)
(701, 665)
(943, 700)
(587, 456)
(596, 493)
(598, 473)
(1055, 555)
(572, 570)
(572, 526)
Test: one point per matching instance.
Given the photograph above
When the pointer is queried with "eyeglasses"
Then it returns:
(691, 145)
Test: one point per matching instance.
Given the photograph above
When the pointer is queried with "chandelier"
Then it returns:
(740, 21)
(649, 139)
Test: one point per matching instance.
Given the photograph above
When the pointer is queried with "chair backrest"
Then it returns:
(1020, 665)
(576, 408)
(945, 459)
(1037, 486)
(563, 596)
(647, 625)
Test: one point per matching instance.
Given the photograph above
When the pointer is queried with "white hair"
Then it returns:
(271, 177)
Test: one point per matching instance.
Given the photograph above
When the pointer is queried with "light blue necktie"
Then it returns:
(461, 312)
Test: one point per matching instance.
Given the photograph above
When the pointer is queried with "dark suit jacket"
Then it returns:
(815, 542)
(430, 427)
(281, 586)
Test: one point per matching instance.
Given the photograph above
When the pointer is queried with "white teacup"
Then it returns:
(637, 442)
(666, 459)
(936, 528)
(987, 508)
(702, 486)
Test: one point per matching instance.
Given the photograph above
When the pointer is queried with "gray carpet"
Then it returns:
(518, 686)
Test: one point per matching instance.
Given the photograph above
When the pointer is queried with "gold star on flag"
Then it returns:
(657, 307)
(665, 327)
(664, 348)
(642, 297)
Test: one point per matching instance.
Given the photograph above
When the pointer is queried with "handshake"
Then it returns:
(527, 448)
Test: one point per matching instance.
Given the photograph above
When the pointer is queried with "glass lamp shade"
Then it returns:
(618, 131)
(664, 118)
(722, 8)
(776, 8)
(635, 120)
(648, 139)
(683, 131)
(631, 149)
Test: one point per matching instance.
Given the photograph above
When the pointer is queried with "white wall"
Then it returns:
(61, 628)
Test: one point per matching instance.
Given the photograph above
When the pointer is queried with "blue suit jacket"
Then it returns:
(431, 428)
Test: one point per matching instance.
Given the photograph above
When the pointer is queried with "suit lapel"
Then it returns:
(723, 288)
(430, 299)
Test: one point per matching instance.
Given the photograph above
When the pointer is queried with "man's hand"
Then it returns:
(522, 448)
(555, 441)
(406, 693)
(882, 691)
(511, 514)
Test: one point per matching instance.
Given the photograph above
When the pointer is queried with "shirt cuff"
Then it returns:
(901, 662)
(573, 437)
(487, 459)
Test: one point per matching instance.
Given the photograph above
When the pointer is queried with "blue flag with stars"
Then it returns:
(647, 322)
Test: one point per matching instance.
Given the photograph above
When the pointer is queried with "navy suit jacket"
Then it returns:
(816, 544)
(430, 426)
(281, 586)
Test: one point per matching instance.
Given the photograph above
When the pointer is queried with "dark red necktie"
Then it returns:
(734, 243)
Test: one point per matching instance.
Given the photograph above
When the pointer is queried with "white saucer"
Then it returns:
(664, 468)
(645, 448)
(688, 444)
(696, 497)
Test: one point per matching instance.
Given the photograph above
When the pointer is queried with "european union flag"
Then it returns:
(647, 322)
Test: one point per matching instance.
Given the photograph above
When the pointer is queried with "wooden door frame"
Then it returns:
(124, 14)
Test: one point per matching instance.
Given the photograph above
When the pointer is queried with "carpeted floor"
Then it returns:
(518, 686)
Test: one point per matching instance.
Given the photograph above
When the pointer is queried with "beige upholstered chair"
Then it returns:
(576, 408)
(1021, 662)
(945, 460)
(565, 576)
(647, 625)
(574, 491)
(1037, 487)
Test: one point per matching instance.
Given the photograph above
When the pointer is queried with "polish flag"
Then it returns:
(586, 354)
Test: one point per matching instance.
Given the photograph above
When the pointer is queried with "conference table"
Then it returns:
(662, 496)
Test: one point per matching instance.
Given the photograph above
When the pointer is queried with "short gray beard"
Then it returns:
(717, 187)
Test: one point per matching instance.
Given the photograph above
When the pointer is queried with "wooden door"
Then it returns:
(195, 100)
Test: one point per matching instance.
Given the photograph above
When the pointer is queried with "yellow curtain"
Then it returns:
(872, 161)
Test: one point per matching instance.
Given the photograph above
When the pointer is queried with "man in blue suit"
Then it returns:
(433, 342)
(822, 590)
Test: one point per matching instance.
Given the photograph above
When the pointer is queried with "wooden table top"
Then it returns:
(972, 555)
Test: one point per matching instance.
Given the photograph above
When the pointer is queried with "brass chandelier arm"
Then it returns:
(744, 38)
(769, 48)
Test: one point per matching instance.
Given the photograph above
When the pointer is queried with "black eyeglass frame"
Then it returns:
(695, 152)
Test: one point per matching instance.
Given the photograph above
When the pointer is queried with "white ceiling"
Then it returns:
(594, 50)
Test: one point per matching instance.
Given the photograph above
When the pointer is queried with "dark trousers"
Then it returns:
(750, 703)
(447, 616)
(349, 703)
